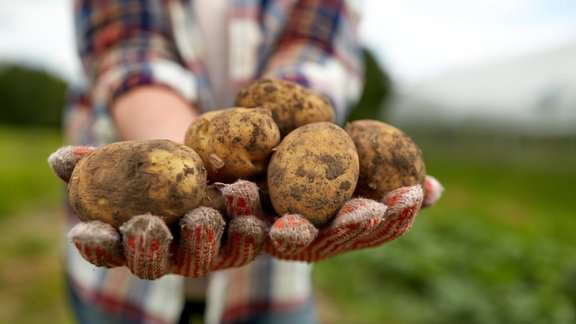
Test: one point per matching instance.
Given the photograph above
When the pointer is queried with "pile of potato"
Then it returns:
(281, 136)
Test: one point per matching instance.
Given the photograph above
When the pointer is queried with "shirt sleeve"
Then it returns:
(319, 48)
(124, 44)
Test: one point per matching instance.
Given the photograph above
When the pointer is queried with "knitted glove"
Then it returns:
(150, 249)
(360, 223)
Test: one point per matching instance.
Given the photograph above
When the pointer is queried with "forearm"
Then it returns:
(152, 112)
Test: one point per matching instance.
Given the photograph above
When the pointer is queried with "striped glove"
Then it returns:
(150, 249)
(360, 223)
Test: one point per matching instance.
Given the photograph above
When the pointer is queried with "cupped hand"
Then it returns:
(223, 233)
(360, 223)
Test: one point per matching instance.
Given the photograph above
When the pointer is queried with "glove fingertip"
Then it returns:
(63, 161)
(358, 210)
(94, 230)
(432, 191)
(250, 225)
(98, 242)
(241, 197)
(292, 233)
(246, 237)
(403, 197)
(207, 216)
(200, 233)
(146, 241)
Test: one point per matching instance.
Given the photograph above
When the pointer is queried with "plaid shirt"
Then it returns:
(124, 44)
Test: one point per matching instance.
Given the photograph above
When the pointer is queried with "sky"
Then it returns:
(419, 39)
(413, 39)
(39, 32)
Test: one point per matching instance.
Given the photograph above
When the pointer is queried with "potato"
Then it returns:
(124, 179)
(291, 104)
(389, 159)
(234, 143)
(313, 172)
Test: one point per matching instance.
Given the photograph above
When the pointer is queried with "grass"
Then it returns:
(25, 176)
(31, 276)
(31, 229)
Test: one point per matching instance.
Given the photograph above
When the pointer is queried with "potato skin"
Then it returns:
(313, 172)
(234, 143)
(126, 179)
(389, 159)
(291, 104)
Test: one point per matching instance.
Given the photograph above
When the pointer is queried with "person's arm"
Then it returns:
(133, 69)
(319, 48)
(152, 112)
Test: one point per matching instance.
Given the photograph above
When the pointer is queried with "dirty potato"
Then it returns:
(389, 159)
(124, 179)
(313, 172)
(234, 143)
(291, 104)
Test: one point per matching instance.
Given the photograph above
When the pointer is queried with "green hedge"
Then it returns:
(30, 97)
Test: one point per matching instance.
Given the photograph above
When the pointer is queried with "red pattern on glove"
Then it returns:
(104, 249)
(403, 205)
(290, 234)
(201, 231)
(247, 231)
(360, 223)
(146, 242)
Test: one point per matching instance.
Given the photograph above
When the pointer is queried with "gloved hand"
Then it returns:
(360, 223)
(150, 249)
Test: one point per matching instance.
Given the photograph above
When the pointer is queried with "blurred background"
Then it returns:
(487, 89)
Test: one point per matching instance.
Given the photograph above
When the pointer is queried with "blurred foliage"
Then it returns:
(31, 228)
(31, 276)
(30, 97)
(497, 248)
(378, 88)
(25, 177)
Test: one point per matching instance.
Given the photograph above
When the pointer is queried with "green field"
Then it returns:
(31, 229)
(498, 248)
